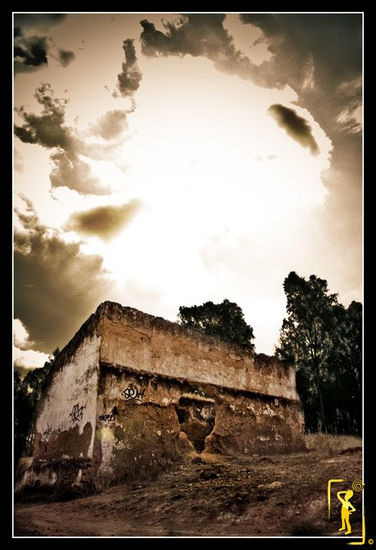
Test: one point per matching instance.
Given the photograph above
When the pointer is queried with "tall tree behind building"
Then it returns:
(324, 340)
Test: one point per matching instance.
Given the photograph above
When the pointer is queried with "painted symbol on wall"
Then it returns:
(109, 417)
(77, 412)
(47, 431)
(132, 392)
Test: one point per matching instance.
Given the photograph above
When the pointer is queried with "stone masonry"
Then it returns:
(131, 393)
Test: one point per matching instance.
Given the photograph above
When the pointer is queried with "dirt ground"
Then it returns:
(211, 495)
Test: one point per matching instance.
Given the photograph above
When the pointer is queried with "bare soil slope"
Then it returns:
(212, 495)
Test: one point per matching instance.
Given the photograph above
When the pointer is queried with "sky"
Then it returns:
(163, 160)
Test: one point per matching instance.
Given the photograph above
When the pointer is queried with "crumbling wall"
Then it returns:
(64, 428)
(146, 421)
(65, 422)
(254, 424)
(146, 343)
(138, 432)
(131, 393)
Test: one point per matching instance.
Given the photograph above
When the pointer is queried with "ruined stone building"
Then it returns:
(131, 393)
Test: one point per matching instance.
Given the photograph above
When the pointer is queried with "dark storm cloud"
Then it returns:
(47, 129)
(65, 57)
(296, 126)
(29, 53)
(130, 77)
(334, 41)
(103, 221)
(313, 53)
(56, 286)
(328, 45)
(111, 124)
(50, 131)
(197, 35)
(37, 20)
(31, 47)
(350, 92)
(191, 34)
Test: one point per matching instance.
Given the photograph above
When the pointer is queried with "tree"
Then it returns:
(344, 388)
(323, 339)
(225, 320)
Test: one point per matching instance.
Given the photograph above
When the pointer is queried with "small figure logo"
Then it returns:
(347, 509)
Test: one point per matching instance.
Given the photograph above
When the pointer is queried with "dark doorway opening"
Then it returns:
(196, 416)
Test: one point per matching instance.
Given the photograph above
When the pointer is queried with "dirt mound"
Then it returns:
(209, 495)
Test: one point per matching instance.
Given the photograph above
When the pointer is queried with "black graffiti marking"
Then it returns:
(111, 416)
(47, 431)
(77, 412)
(132, 392)
(107, 417)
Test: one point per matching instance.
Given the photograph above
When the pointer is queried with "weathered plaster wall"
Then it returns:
(145, 421)
(65, 422)
(133, 339)
(138, 432)
(130, 393)
(254, 425)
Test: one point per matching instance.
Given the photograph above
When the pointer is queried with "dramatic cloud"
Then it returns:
(334, 42)
(103, 221)
(27, 360)
(24, 357)
(21, 336)
(30, 47)
(312, 53)
(72, 172)
(350, 118)
(56, 286)
(130, 77)
(315, 54)
(49, 130)
(111, 124)
(191, 34)
(194, 34)
(308, 72)
(65, 57)
(29, 53)
(296, 126)
(37, 20)
(202, 35)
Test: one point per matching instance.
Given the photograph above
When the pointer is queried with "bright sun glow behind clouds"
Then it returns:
(220, 183)
(221, 175)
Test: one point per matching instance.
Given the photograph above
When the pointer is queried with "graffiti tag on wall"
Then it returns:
(49, 430)
(132, 392)
(77, 412)
(109, 417)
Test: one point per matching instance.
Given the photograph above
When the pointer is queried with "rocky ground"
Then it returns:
(212, 495)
